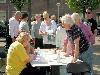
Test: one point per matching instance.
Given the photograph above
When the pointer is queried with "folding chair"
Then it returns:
(78, 68)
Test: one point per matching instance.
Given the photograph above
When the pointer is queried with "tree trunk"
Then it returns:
(83, 12)
(29, 12)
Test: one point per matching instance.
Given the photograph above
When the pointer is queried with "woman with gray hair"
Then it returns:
(86, 29)
(76, 38)
(89, 36)
(13, 28)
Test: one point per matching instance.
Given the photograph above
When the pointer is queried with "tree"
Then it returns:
(18, 3)
(81, 5)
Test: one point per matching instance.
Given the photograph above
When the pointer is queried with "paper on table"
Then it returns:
(67, 60)
(39, 59)
(52, 57)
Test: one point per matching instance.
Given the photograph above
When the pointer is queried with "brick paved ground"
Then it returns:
(96, 57)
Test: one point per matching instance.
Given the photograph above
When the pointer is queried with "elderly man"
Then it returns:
(13, 27)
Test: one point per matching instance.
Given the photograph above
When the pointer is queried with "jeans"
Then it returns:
(87, 57)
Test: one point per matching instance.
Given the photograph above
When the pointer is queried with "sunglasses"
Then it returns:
(88, 12)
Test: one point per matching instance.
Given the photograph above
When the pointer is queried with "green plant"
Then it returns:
(18, 3)
(81, 5)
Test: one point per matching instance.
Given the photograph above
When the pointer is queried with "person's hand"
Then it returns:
(45, 33)
(66, 55)
(42, 32)
(32, 56)
(93, 39)
(74, 60)
(27, 48)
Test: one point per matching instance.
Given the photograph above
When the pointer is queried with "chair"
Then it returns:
(78, 68)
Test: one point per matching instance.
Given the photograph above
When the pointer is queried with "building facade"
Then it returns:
(37, 6)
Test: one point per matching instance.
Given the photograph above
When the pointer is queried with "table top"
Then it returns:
(48, 57)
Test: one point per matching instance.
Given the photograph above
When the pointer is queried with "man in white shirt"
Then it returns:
(14, 26)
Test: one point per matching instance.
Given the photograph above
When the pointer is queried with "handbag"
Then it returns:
(78, 67)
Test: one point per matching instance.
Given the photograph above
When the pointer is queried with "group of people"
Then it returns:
(71, 35)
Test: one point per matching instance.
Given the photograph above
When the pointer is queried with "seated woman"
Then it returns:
(18, 56)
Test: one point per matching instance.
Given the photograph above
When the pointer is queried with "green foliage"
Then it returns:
(80, 5)
(18, 3)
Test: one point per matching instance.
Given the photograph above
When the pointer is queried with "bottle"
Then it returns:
(38, 50)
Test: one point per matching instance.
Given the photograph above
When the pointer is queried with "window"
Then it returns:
(2, 15)
(2, 1)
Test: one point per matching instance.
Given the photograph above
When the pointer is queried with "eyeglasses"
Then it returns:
(88, 12)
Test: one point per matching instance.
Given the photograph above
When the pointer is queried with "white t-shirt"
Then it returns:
(51, 29)
(13, 27)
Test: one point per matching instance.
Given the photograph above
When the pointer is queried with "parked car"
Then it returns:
(2, 29)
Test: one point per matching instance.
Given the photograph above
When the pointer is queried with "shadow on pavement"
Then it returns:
(96, 59)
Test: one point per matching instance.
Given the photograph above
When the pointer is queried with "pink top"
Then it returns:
(65, 40)
(69, 46)
(87, 32)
